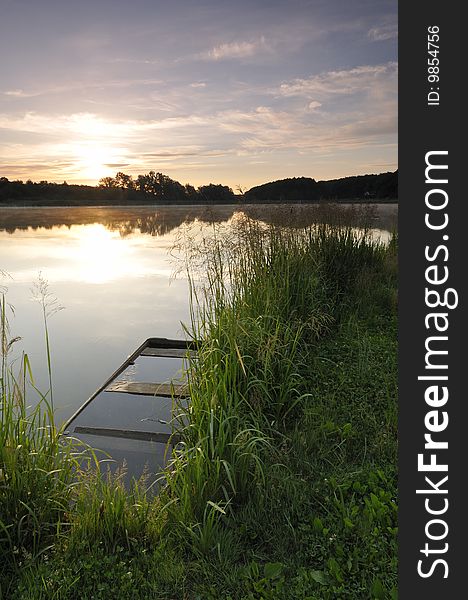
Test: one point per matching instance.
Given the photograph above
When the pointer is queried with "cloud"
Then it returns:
(73, 87)
(198, 84)
(21, 168)
(81, 125)
(21, 94)
(385, 32)
(235, 50)
(345, 82)
(95, 147)
(358, 109)
(238, 121)
(320, 116)
(91, 127)
(89, 140)
(171, 154)
(135, 61)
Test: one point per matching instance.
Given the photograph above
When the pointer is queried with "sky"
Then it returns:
(209, 91)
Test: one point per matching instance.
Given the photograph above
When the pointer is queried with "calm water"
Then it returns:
(112, 271)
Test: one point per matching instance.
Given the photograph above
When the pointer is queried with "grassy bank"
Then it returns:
(285, 486)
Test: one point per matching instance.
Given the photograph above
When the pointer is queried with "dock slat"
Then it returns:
(167, 343)
(167, 390)
(129, 434)
(168, 352)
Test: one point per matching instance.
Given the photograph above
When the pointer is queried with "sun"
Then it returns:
(96, 146)
(95, 159)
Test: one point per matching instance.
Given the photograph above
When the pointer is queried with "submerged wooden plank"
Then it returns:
(167, 343)
(130, 434)
(166, 390)
(168, 352)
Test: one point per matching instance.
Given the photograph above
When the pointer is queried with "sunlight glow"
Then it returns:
(89, 125)
(90, 254)
(94, 148)
(92, 159)
(99, 254)
(103, 256)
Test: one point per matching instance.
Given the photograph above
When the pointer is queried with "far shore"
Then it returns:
(239, 203)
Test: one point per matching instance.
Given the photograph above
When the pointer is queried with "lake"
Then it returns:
(112, 270)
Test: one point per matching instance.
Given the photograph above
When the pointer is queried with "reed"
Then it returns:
(36, 470)
(269, 294)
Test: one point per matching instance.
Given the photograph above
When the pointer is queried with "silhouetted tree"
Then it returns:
(213, 194)
(107, 182)
(124, 181)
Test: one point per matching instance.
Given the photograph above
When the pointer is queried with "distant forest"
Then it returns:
(375, 188)
(159, 189)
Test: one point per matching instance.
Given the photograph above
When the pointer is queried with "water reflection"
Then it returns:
(124, 220)
(110, 267)
(161, 221)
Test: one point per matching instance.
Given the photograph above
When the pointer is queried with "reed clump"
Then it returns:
(36, 469)
(270, 295)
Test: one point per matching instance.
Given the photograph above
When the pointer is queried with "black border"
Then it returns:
(424, 128)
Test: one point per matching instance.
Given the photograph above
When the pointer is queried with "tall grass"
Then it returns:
(108, 515)
(270, 294)
(49, 306)
(36, 470)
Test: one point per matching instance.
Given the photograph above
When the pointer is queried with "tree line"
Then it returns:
(305, 189)
(157, 188)
(160, 187)
(150, 188)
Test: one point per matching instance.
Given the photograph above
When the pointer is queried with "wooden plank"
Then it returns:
(129, 434)
(166, 390)
(168, 352)
(167, 343)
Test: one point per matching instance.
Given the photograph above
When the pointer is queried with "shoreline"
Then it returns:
(25, 204)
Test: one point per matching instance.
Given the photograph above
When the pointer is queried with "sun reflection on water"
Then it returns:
(101, 256)
(90, 254)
